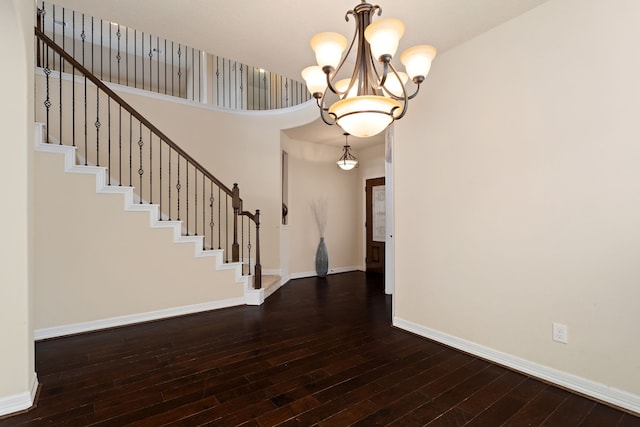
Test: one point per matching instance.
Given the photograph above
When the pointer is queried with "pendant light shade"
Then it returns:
(347, 161)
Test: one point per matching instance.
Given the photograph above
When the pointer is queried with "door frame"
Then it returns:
(389, 248)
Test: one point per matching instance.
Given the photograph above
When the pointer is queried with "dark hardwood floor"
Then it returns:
(318, 352)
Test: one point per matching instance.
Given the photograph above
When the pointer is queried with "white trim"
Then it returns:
(95, 325)
(581, 385)
(21, 401)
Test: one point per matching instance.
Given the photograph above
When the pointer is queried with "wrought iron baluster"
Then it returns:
(218, 81)
(85, 121)
(53, 31)
(242, 243)
(97, 125)
(126, 53)
(160, 177)
(173, 66)
(193, 76)
(118, 55)
(92, 43)
(73, 106)
(227, 233)
(178, 186)
(204, 229)
(186, 166)
(242, 87)
(165, 66)
(110, 51)
(249, 245)
(158, 62)
(109, 140)
(47, 101)
(130, 150)
(211, 223)
(179, 72)
(101, 49)
(140, 170)
(150, 63)
(120, 145)
(60, 101)
(142, 59)
(195, 198)
(150, 167)
(170, 184)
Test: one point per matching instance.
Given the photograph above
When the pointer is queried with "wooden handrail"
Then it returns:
(130, 109)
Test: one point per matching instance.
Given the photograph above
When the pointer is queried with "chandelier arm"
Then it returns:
(414, 93)
(331, 75)
(325, 116)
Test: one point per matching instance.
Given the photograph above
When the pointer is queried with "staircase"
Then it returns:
(210, 216)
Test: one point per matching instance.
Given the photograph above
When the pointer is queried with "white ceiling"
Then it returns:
(275, 35)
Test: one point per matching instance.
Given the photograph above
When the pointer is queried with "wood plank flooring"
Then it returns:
(318, 352)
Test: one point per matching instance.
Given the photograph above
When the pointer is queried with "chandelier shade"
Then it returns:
(384, 36)
(367, 99)
(364, 116)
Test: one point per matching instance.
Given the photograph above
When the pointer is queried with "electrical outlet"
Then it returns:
(560, 333)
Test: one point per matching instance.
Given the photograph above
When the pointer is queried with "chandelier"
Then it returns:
(347, 161)
(375, 94)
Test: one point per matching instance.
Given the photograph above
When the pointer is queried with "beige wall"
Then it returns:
(97, 261)
(16, 250)
(313, 175)
(518, 196)
(241, 148)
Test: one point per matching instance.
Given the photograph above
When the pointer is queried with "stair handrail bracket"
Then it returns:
(83, 112)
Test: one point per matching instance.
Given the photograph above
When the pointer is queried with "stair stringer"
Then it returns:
(251, 296)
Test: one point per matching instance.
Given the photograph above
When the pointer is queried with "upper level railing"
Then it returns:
(81, 111)
(138, 59)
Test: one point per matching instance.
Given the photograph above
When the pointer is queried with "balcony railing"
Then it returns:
(126, 56)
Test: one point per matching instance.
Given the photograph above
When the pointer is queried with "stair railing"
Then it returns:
(107, 131)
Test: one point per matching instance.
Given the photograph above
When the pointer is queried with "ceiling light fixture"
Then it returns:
(370, 100)
(347, 161)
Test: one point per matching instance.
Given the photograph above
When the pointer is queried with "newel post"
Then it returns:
(236, 203)
(258, 268)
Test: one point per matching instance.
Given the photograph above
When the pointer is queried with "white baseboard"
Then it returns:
(21, 401)
(602, 392)
(94, 325)
(336, 270)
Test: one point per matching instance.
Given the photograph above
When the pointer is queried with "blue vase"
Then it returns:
(322, 259)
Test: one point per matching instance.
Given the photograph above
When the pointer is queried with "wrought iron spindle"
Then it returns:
(150, 167)
(160, 178)
(170, 185)
(47, 101)
(118, 55)
(97, 125)
(85, 120)
(178, 186)
(211, 223)
(130, 150)
(120, 145)
(187, 203)
(179, 72)
(140, 169)
(109, 140)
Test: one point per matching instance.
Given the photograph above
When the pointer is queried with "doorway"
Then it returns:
(375, 224)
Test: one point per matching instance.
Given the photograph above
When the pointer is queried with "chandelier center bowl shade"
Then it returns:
(365, 100)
